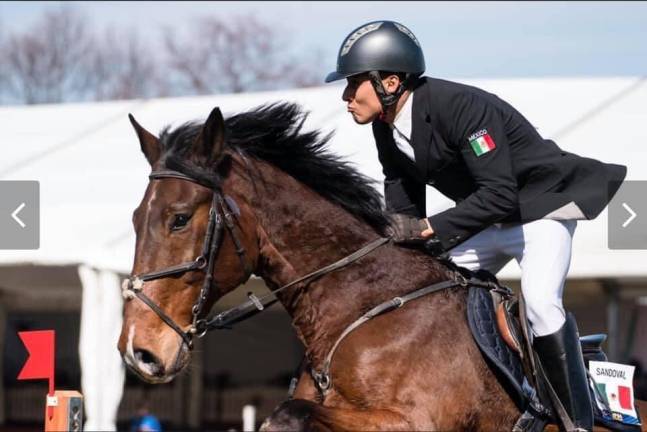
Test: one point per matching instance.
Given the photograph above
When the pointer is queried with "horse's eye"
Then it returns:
(180, 221)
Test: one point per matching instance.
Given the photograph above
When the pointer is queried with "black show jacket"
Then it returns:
(522, 178)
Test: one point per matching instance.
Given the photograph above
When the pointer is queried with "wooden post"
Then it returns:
(67, 412)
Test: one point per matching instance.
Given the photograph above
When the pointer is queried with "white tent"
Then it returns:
(92, 173)
(92, 176)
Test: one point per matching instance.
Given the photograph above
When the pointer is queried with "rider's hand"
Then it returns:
(428, 231)
(407, 229)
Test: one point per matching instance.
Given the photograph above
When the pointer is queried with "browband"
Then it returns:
(168, 173)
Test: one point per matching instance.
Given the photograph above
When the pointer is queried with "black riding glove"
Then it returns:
(405, 229)
(434, 248)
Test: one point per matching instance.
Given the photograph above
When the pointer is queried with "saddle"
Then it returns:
(496, 318)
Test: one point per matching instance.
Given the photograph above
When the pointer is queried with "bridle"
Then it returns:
(221, 216)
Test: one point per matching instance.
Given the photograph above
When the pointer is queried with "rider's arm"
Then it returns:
(478, 131)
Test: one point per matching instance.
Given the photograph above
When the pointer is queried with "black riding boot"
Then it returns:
(561, 356)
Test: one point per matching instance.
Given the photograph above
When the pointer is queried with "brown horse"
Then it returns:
(297, 209)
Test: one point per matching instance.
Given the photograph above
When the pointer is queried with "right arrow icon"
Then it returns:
(631, 213)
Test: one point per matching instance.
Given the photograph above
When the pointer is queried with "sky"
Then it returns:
(459, 39)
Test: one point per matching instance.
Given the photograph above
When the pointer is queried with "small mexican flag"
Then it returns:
(481, 142)
(617, 395)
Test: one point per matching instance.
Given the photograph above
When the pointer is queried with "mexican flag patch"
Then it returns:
(481, 142)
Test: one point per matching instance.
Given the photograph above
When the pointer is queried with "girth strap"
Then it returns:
(323, 379)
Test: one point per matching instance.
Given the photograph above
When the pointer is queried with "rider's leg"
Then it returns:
(561, 358)
(543, 249)
(481, 251)
(544, 255)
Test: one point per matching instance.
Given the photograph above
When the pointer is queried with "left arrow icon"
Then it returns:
(15, 215)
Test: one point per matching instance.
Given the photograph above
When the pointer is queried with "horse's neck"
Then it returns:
(301, 233)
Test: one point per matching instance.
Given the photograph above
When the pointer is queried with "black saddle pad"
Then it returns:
(504, 362)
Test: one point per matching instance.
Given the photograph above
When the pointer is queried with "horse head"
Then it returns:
(250, 194)
(195, 241)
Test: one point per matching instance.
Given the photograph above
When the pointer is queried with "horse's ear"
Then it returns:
(211, 141)
(148, 142)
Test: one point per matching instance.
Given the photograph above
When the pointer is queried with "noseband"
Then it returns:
(221, 216)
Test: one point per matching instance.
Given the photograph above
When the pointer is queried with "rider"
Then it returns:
(517, 195)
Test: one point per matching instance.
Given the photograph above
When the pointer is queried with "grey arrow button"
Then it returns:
(632, 215)
(14, 215)
(19, 214)
(627, 224)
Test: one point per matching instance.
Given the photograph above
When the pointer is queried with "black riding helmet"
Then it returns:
(380, 46)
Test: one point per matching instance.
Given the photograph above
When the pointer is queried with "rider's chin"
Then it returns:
(358, 119)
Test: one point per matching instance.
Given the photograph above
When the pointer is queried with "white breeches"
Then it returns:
(543, 250)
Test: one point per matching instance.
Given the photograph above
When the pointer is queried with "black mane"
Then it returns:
(273, 133)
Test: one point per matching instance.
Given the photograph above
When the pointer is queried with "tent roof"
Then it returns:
(92, 174)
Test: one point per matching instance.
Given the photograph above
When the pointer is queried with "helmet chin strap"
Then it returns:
(386, 99)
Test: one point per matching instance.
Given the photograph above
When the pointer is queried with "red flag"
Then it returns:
(624, 394)
(40, 363)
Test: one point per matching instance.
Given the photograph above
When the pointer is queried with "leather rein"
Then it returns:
(222, 215)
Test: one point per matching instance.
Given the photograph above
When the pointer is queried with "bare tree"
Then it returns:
(47, 63)
(123, 68)
(234, 55)
(59, 59)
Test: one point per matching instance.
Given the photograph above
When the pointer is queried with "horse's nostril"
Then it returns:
(149, 361)
(145, 356)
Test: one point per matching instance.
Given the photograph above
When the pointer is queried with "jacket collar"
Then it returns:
(421, 131)
(421, 128)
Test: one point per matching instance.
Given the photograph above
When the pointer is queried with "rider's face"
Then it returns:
(362, 101)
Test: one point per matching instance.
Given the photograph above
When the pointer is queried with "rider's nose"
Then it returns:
(346, 95)
(149, 363)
